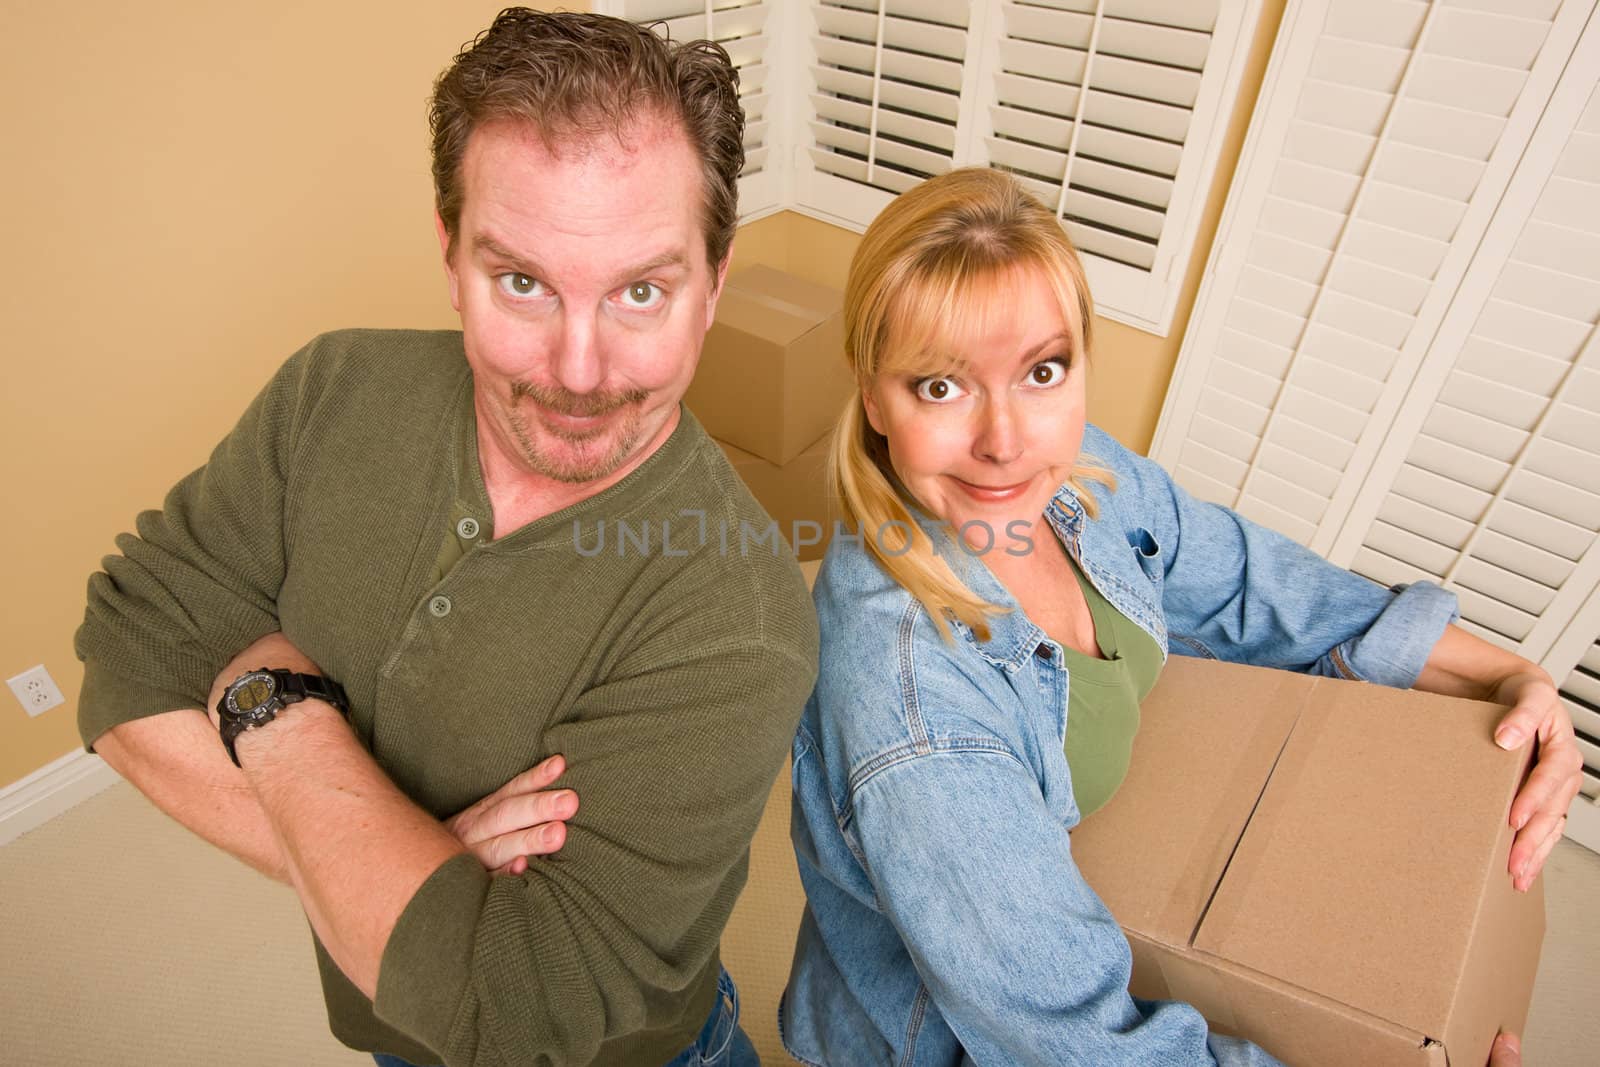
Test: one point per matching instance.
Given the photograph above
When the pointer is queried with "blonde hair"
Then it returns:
(924, 278)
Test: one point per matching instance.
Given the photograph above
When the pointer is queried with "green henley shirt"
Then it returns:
(669, 665)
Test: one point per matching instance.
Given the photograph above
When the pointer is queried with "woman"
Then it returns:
(1014, 562)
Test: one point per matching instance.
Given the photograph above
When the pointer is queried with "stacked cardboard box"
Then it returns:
(771, 382)
(1320, 866)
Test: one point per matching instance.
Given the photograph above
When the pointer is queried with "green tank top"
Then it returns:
(1103, 698)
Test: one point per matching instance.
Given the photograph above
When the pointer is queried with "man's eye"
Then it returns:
(937, 390)
(1050, 372)
(514, 284)
(642, 295)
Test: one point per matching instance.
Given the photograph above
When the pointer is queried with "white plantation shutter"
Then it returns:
(1108, 110)
(746, 28)
(1104, 156)
(1416, 392)
(1490, 481)
(1497, 493)
(1093, 105)
(1386, 135)
(888, 77)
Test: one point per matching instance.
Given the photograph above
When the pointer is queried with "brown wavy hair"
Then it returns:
(577, 75)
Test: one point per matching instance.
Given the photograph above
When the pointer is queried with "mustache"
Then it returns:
(578, 405)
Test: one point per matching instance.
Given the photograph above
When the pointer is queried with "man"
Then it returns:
(403, 507)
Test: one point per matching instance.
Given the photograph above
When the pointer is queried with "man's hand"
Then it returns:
(1506, 1051)
(522, 818)
(1539, 812)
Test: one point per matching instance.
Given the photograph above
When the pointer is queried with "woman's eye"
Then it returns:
(514, 284)
(642, 295)
(937, 390)
(1049, 372)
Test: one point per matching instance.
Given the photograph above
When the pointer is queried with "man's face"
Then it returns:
(584, 292)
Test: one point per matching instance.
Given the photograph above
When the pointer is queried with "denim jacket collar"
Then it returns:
(1013, 637)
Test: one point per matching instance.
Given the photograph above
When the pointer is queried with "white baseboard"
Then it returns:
(51, 790)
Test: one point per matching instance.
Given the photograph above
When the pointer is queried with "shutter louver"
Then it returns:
(1367, 207)
(888, 79)
(1092, 107)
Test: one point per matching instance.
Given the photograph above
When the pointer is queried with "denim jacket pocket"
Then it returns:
(1148, 552)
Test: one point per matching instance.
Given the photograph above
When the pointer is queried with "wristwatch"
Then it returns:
(255, 698)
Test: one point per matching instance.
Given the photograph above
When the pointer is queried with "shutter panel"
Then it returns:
(1493, 469)
(743, 27)
(1106, 156)
(1092, 105)
(1108, 110)
(1386, 137)
(888, 77)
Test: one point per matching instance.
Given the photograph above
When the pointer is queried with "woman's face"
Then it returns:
(991, 443)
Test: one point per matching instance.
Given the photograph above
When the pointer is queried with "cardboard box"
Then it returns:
(794, 493)
(1320, 866)
(772, 377)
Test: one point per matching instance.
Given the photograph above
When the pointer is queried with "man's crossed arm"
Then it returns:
(312, 762)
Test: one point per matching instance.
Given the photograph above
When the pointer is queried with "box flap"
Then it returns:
(807, 299)
(1342, 882)
(759, 316)
(1208, 736)
(1294, 1025)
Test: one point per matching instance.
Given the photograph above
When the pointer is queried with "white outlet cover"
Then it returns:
(35, 690)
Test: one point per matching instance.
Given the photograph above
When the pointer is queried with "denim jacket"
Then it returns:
(946, 923)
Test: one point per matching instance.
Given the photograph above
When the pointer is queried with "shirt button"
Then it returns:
(1043, 651)
(467, 528)
(439, 606)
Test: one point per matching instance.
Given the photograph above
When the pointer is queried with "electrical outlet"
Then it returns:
(36, 690)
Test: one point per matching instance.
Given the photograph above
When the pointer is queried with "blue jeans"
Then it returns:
(722, 1043)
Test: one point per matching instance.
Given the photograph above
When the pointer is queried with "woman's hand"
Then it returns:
(522, 818)
(1506, 1051)
(1539, 812)
(1467, 666)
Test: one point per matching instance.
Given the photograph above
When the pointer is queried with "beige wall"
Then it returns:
(193, 191)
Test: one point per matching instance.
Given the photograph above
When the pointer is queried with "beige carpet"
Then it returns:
(121, 945)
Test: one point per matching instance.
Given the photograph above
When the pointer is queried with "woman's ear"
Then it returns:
(870, 403)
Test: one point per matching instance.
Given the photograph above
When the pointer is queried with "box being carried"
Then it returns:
(1320, 866)
(772, 377)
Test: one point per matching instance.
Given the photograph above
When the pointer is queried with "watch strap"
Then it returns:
(230, 730)
(294, 686)
(290, 687)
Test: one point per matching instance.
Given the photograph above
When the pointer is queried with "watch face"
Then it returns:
(250, 694)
